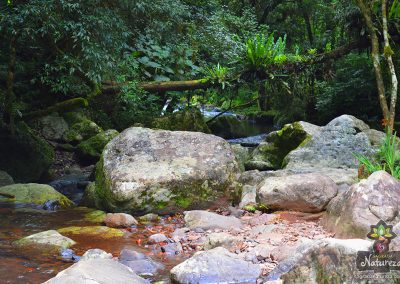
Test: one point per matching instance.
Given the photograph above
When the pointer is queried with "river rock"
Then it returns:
(228, 127)
(120, 220)
(81, 131)
(302, 192)
(249, 195)
(96, 254)
(144, 170)
(208, 220)
(333, 146)
(242, 155)
(269, 155)
(101, 232)
(52, 127)
(324, 261)
(34, 193)
(140, 263)
(222, 239)
(25, 155)
(189, 119)
(215, 266)
(90, 150)
(97, 271)
(5, 179)
(48, 240)
(351, 214)
(157, 238)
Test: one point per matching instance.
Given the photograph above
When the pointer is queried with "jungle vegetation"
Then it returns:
(124, 59)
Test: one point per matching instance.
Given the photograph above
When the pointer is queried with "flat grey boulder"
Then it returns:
(222, 239)
(97, 271)
(207, 220)
(302, 192)
(352, 212)
(144, 170)
(324, 261)
(140, 263)
(215, 266)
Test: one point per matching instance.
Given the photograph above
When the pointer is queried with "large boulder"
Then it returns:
(24, 155)
(90, 150)
(215, 266)
(270, 154)
(144, 170)
(140, 263)
(333, 146)
(324, 261)
(48, 241)
(207, 220)
(34, 193)
(189, 119)
(97, 271)
(351, 214)
(302, 192)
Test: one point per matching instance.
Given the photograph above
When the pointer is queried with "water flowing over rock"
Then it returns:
(324, 261)
(352, 212)
(144, 170)
(302, 192)
(215, 266)
(208, 220)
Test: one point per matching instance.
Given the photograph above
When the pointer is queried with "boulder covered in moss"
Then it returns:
(144, 170)
(269, 155)
(34, 193)
(47, 241)
(81, 131)
(51, 127)
(24, 155)
(228, 127)
(90, 150)
(101, 232)
(189, 119)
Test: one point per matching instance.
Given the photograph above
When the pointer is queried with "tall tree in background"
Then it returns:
(367, 10)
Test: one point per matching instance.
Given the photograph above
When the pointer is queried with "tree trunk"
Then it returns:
(110, 87)
(366, 12)
(9, 104)
(262, 98)
(388, 54)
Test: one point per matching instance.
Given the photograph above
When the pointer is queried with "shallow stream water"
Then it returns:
(32, 266)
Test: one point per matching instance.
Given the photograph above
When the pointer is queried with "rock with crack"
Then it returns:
(352, 212)
(215, 266)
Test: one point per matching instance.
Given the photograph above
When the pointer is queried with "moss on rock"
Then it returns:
(25, 155)
(228, 127)
(90, 150)
(81, 131)
(189, 119)
(93, 231)
(35, 194)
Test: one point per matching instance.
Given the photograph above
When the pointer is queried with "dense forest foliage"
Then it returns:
(295, 60)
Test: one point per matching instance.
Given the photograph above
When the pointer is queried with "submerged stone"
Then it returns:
(93, 231)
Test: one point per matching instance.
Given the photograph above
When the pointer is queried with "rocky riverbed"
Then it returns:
(187, 207)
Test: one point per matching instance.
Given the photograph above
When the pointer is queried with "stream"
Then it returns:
(20, 220)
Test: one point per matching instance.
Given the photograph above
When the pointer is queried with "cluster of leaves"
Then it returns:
(387, 158)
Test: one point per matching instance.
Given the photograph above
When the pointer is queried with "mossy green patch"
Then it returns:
(81, 131)
(93, 231)
(189, 119)
(92, 148)
(96, 216)
(33, 193)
